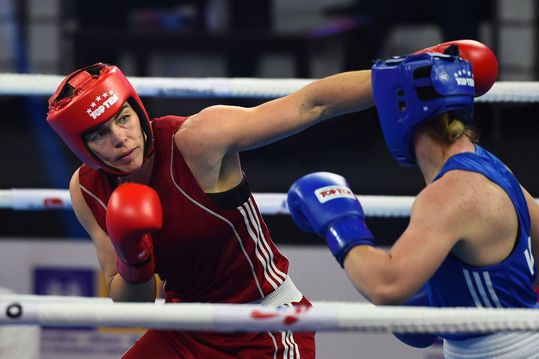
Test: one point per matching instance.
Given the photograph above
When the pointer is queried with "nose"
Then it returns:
(118, 136)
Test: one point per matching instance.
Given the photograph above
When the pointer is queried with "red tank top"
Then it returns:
(204, 253)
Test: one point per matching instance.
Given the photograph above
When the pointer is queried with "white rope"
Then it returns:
(36, 84)
(269, 203)
(53, 299)
(59, 299)
(35, 199)
(323, 316)
(45, 85)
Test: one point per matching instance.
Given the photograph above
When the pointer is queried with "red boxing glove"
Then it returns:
(483, 60)
(133, 212)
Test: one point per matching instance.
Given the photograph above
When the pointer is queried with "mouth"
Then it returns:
(127, 156)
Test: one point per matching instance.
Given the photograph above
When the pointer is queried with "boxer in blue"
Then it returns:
(473, 232)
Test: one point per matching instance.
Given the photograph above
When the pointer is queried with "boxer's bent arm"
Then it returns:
(392, 277)
(119, 289)
(229, 129)
(533, 208)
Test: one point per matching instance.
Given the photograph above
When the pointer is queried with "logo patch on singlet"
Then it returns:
(328, 193)
(107, 99)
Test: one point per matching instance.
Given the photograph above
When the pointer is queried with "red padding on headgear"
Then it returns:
(95, 99)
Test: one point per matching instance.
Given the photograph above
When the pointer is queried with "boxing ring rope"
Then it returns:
(323, 316)
(45, 85)
(269, 203)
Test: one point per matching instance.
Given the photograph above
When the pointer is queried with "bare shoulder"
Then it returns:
(210, 129)
(470, 205)
(452, 198)
(74, 189)
(212, 118)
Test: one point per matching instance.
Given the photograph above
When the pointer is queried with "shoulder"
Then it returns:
(82, 188)
(209, 129)
(74, 183)
(451, 200)
(169, 121)
(77, 199)
(212, 118)
(80, 207)
(165, 126)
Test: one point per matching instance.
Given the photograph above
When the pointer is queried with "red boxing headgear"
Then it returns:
(87, 98)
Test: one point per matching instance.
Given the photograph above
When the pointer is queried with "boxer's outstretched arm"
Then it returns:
(229, 129)
(119, 289)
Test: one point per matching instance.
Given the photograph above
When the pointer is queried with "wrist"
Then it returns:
(137, 273)
(346, 233)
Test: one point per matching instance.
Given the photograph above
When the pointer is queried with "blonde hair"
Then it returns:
(446, 129)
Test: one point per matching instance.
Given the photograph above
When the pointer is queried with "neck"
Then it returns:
(431, 156)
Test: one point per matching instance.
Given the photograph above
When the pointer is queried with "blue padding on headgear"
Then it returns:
(408, 91)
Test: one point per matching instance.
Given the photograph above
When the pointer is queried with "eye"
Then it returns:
(123, 119)
(94, 136)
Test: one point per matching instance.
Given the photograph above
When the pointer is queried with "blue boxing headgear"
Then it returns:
(409, 91)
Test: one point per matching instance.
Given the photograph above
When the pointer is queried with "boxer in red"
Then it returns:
(168, 196)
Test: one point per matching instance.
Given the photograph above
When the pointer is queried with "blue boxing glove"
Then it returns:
(420, 299)
(323, 203)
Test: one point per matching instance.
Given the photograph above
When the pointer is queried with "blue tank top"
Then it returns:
(507, 284)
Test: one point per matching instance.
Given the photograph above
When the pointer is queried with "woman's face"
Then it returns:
(119, 142)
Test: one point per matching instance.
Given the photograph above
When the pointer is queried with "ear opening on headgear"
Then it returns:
(422, 72)
(402, 106)
(401, 96)
(427, 93)
(424, 93)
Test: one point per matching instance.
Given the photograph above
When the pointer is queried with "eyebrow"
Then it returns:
(98, 127)
(125, 105)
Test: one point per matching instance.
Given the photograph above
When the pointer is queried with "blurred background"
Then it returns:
(255, 38)
(264, 39)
